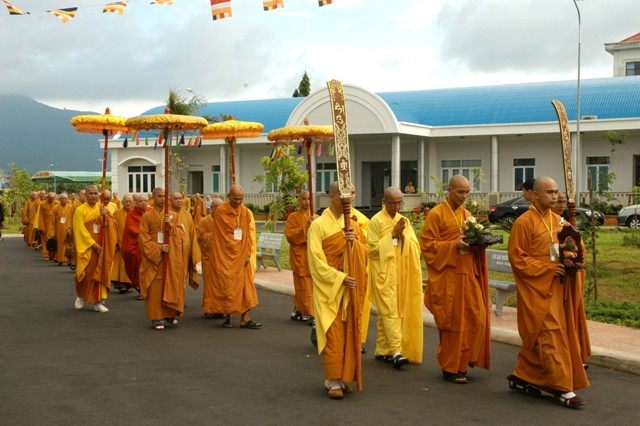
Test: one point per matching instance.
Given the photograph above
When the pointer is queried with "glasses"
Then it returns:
(393, 203)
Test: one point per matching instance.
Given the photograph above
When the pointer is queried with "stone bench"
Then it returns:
(499, 262)
(268, 248)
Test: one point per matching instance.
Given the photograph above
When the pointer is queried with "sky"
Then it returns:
(129, 63)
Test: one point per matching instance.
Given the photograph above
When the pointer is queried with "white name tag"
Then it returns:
(96, 228)
(161, 237)
(554, 252)
(63, 220)
(395, 242)
(237, 234)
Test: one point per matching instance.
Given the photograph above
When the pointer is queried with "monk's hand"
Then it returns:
(103, 211)
(97, 247)
(398, 230)
(350, 282)
(461, 244)
(167, 218)
(560, 272)
(165, 248)
(350, 234)
(247, 260)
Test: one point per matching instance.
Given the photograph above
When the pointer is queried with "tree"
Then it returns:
(283, 175)
(20, 189)
(304, 88)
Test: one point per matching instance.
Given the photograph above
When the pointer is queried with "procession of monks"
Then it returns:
(342, 264)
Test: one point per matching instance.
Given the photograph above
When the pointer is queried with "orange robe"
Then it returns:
(164, 298)
(46, 226)
(228, 274)
(92, 270)
(336, 327)
(62, 220)
(130, 248)
(205, 241)
(575, 313)
(118, 271)
(73, 260)
(199, 212)
(457, 292)
(550, 356)
(295, 230)
(28, 216)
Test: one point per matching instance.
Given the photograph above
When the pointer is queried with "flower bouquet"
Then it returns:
(476, 234)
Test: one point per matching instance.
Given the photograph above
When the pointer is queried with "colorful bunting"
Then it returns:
(117, 7)
(137, 139)
(199, 141)
(318, 150)
(14, 10)
(165, 2)
(221, 9)
(268, 5)
(324, 2)
(66, 14)
(182, 139)
(125, 144)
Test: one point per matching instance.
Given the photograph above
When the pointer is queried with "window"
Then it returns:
(598, 172)
(325, 174)
(142, 179)
(471, 169)
(215, 172)
(523, 170)
(632, 68)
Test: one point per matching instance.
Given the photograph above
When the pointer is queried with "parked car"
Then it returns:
(629, 216)
(512, 209)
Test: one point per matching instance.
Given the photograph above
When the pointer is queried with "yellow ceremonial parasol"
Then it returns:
(105, 124)
(230, 130)
(306, 135)
(166, 123)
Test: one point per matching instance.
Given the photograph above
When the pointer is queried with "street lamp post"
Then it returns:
(577, 148)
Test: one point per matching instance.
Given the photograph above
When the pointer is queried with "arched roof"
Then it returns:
(606, 98)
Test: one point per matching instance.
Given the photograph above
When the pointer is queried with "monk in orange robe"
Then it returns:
(94, 234)
(62, 221)
(119, 278)
(295, 230)
(45, 223)
(337, 315)
(199, 210)
(130, 248)
(457, 292)
(28, 216)
(549, 358)
(233, 263)
(115, 200)
(205, 241)
(164, 293)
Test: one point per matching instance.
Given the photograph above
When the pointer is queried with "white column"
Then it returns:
(495, 164)
(434, 170)
(395, 161)
(223, 170)
(421, 184)
(114, 174)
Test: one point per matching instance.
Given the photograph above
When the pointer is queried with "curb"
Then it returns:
(608, 358)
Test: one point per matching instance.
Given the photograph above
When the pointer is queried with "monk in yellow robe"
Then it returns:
(45, 223)
(233, 261)
(363, 223)
(28, 216)
(82, 199)
(94, 234)
(336, 314)
(457, 292)
(199, 211)
(186, 203)
(164, 294)
(295, 229)
(549, 358)
(115, 200)
(62, 222)
(395, 283)
(205, 241)
(119, 278)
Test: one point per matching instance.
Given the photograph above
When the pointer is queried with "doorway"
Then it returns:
(195, 183)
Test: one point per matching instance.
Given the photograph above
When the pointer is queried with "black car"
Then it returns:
(511, 209)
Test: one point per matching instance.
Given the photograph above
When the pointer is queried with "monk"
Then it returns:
(115, 200)
(574, 299)
(62, 221)
(233, 262)
(94, 233)
(295, 229)
(28, 216)
(395, 283)
(549, 358)
(336, 325)
(130, 249)
(164, 293)
(205, 241)
(186, 203)
(363, 224)
(45, 223)
(82, 198)
(119, 278)
(199, 210)
(457, 292)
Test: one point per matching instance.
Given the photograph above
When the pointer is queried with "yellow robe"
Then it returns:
(295, 230)
(118, 271)
(549, 357)
(46, 225)
(457, 292)
(204, 234)
(363, 223)
(62, 220)
(28, 216)
(165, 298)
(395, 287)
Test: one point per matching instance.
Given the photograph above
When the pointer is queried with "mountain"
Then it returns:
(34, 136)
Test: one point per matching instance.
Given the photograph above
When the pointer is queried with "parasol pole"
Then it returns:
(167, 227)
(232, 139)
(343, 165)
(307, 145)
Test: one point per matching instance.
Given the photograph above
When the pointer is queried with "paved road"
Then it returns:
(59, 366)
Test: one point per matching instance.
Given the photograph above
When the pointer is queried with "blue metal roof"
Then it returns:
(617, 97)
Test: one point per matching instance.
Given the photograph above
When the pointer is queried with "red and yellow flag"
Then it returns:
(165, 2)
(324, 2)
(221, 9)
(14, 10)
(117, 7)
(66, 14)
(272, 4)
